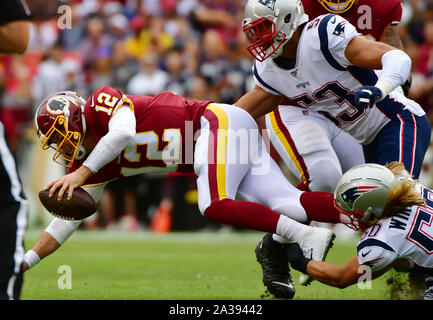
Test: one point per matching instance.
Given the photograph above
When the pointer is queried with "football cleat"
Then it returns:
(316, 247)
(428, 293)
(276, 272)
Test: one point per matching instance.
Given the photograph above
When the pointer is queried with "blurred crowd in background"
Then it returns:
(191, 47)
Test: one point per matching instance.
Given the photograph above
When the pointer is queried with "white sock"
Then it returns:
(280, 239)
(290, 230)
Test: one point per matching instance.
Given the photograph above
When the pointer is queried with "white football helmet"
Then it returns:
(269, 24)
(362, 193)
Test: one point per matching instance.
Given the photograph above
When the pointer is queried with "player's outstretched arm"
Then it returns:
(329, 273)
(334, 275)
(258, 102)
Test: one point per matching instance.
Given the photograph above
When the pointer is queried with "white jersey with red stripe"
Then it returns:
(408, 235)
(323, 79)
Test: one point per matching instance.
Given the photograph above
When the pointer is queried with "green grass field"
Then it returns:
(174, 266)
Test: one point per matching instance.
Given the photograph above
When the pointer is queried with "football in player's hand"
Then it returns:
(79, 207)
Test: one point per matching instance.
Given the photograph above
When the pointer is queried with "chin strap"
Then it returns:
(81, 152)
(371, 216)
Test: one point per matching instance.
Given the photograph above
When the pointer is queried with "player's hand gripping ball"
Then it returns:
(79, 207)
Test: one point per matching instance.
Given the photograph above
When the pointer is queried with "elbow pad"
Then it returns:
(396, 66)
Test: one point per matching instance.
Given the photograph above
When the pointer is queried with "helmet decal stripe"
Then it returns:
(268, 3)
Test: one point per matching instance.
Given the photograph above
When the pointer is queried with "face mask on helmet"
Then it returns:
(337, 6)
(59, 123)
(264, 40)
(270, 24)
(361, 195)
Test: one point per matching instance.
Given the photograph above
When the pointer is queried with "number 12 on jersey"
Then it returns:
(154, 159)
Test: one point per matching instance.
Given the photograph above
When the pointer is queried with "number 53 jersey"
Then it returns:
(408, 235)
(165, 128)
(323, 79)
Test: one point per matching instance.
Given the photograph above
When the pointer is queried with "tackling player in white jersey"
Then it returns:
(327, 65)
(396, 213)
(312, 147)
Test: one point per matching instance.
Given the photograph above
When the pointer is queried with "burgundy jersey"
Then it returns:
(165, 128)
(370, 17)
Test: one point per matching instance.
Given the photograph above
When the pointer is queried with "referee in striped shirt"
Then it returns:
(14, 207)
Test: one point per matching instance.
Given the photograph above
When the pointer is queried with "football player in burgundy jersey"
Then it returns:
(114, 134)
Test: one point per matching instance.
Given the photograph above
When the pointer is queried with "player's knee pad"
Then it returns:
(310, 137)
(324, 175)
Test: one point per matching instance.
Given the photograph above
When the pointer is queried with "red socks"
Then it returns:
(319, 206)
(244, 214)
(303, 186)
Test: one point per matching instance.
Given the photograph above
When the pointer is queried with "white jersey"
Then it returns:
(406, 235)
(323, 79)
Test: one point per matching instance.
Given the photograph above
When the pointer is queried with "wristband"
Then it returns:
(385, 86)
(296, 257)
(31, 258)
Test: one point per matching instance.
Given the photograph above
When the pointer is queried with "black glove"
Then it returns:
(296, 257)
(367, 96)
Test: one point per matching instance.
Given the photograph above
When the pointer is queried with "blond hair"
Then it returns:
(402, 195)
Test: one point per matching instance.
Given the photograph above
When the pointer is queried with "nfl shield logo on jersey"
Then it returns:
(268, 3)
(350, 195)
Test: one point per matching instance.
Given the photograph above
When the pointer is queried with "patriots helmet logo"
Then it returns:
(268, 3)
(350, 195)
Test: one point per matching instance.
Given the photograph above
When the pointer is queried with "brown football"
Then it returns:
(79, 207)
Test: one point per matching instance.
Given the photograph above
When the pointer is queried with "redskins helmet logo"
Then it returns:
(58, 105)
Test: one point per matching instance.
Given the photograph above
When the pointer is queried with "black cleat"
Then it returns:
(428, 293)
(276, 272)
